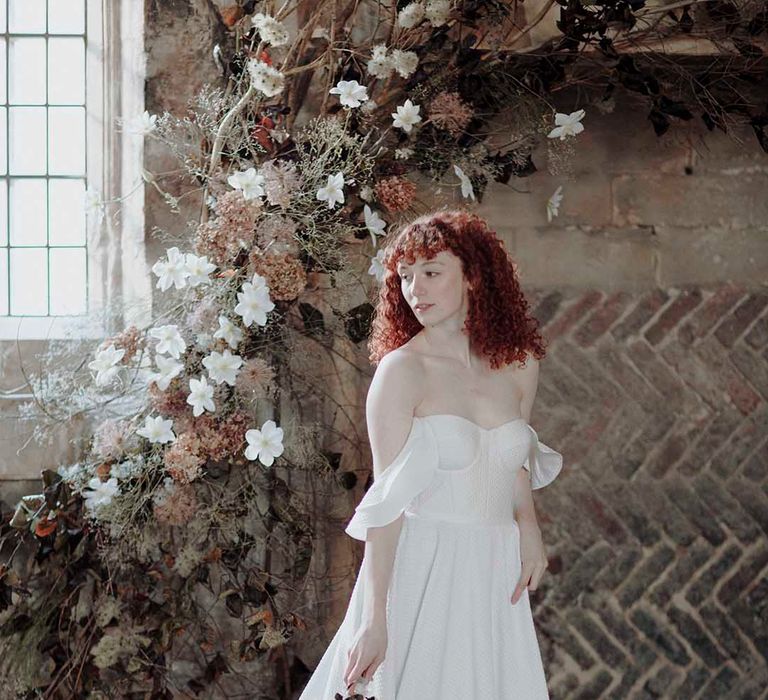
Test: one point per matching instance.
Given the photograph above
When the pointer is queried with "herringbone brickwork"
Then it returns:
(657, 528)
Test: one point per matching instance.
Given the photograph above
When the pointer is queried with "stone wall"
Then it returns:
(650, 287)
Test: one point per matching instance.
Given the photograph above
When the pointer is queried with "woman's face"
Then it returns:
(435, 288)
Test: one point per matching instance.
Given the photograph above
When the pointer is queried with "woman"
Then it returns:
(440, 609)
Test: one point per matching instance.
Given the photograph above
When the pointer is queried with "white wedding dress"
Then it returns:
(453, 633)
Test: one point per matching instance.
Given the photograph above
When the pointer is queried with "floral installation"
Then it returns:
(173, 549)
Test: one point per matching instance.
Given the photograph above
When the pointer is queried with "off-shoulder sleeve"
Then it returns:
(542, 462)
(408, 475)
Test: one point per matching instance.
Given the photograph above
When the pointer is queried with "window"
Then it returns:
(69, 70)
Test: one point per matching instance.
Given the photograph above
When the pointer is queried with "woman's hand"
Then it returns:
(532, 556)
(366, 652)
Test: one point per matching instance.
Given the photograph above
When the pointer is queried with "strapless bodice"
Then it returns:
(454, 470)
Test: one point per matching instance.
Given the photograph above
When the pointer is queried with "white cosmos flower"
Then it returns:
(411, 15)
(100, 493)
(406, 116)
(405, 62)
(254, 305)
(567, 125)
(157, 430)
(105, 364)
(168, 368)
(171, 343)
(257, 283)
(172, 271)
(270, 30)
(438, 12)
(553, 203)
(229, 331)
(223, 367)
(377, 266)
(144, 124)
(199, 269)
(466, 184)
(350, 92)
(249, 181)
(265, 78)
(333, 191)
(264, 444)
(200, 396)
(374, 223)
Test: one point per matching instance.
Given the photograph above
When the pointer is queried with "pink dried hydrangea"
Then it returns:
(254, 380)
(184, 458)
(282, 180)
(223, 237)
(395, 193)
(177, 507)
(276, 234)
(129, 340)
(285, 275)
(221, 439)
(448, 111)
(169, 403)
(112, 439)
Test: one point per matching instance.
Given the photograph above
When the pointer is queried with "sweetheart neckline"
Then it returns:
(471, 422)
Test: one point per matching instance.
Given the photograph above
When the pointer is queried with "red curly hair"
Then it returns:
(498, 321)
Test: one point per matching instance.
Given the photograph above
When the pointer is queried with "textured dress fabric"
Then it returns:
(452, 632)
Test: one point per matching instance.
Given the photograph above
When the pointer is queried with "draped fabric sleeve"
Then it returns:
(543, 463)
(411, 471)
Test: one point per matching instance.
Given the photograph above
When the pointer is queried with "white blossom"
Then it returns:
(405, 62)
(264, 444)
(223, 367)
(438, 12)
(466, 184)
(106, 364)
(171, 271)
(199, 269)
(411, 15)
(403, 153)
(350, 92)
(377, 266)
(265, 78)
(567, 125)
(333, 191)
(270, 30)
(374, 223)
(100, 493)
(167, 370)
(200, 396)
(249, 181)
(157, 430)
(229, 332)
(406, 116)
(553, 203)
(254, 305)
(143, 124)
(366, 193)
(171, 343)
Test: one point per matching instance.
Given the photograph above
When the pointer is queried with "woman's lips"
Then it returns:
(423, 307)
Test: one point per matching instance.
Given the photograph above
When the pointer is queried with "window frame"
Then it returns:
(115, 256)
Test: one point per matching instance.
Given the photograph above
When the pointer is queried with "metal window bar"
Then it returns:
(10, 177)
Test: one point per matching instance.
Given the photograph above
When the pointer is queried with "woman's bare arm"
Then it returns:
(529, 382)
(392, 397)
